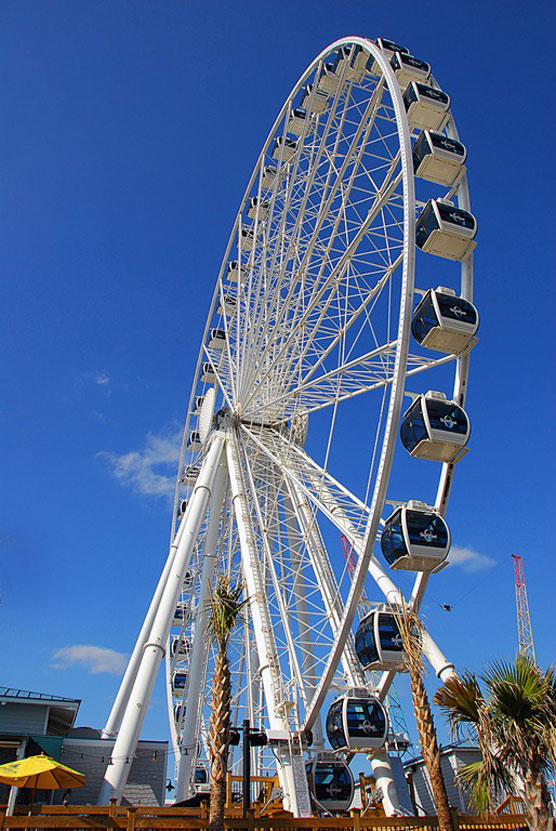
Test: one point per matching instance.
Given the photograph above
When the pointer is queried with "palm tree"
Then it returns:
(514, 721)
(225, 607)
(411, 630)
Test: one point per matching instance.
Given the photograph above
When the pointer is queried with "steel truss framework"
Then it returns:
(309, 383)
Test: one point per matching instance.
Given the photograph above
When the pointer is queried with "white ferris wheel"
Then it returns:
(334, 360)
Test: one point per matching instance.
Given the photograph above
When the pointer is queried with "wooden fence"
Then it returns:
(142, 818)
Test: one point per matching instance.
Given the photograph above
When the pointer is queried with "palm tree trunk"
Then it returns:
(429, 746)
(219, 738)
(536, 802)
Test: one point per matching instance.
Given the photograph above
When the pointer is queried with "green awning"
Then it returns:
(50, 745)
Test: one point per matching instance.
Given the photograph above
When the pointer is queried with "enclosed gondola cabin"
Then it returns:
(415, 538)
(284, 148)
(444, 321)
(388, 48)
(407, 68)
(217, 339)
(179, 682)
(298, 122)
(177, 713)
(201, 776)
(314, 100)
(235, 272)
(349, 64)
(182, 508)
(426, 108)
(268, 179)
(181, 614)
(438, 158)
(445, 230)
(435, 428)
(247, 239)
(194, 441)
(358, 61)
(190, 475)
(207, 373)
(378, 643)
(227, 306)
(356, 721)
(257, 207)
(198, 404)
(330, 783)
(329, 80)
(180, 648)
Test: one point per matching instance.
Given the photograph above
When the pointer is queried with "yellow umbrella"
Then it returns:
(41, 773)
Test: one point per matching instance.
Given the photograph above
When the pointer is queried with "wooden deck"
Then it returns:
(143, 817)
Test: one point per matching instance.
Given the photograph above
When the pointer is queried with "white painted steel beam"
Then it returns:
(123, 752)
(200, 645)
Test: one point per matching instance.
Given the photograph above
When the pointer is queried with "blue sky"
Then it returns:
(130, 130)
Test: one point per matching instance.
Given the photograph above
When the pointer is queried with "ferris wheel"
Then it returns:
(334, 360)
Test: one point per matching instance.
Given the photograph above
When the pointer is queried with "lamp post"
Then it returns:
(251, 738)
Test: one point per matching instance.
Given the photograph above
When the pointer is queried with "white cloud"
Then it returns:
(102, 378)
(469, 559)
(95, 659)
(150, 471)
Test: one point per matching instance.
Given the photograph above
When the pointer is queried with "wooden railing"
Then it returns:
(155, 819)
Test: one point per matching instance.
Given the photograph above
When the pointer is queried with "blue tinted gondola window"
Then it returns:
(332, 782)
(456, 308)
(334, 726)
(413, 427)
(389, 634)
(426, 224)
(424, 319)
(365, 646)
(365, 720)
(420, 150)
(201, 776)
(391, 542)
(456, 216)
(445, 143)
(426, 530)
(433, 94)
(447, 417)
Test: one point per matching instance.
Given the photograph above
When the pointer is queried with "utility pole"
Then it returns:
(524, 629)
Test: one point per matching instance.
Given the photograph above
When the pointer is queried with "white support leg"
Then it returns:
(153, 651)
(384, 779)
(120, 702)
(200, 645)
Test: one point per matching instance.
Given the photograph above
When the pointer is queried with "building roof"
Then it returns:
(29, 695)
(444, 750)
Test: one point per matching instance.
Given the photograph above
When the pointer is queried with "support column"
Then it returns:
(200, 645)
(123, 752)
(120, 702)
(384, 779)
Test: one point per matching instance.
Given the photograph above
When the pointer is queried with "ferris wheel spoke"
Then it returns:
(327, 494)
(327, 203)
(222, 371)
(321, 300)
(326, 199)
(266, 526)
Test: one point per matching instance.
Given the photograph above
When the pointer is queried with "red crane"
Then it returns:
(524, 629)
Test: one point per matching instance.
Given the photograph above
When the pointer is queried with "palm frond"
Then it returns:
(461, 700)
(225, 608)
